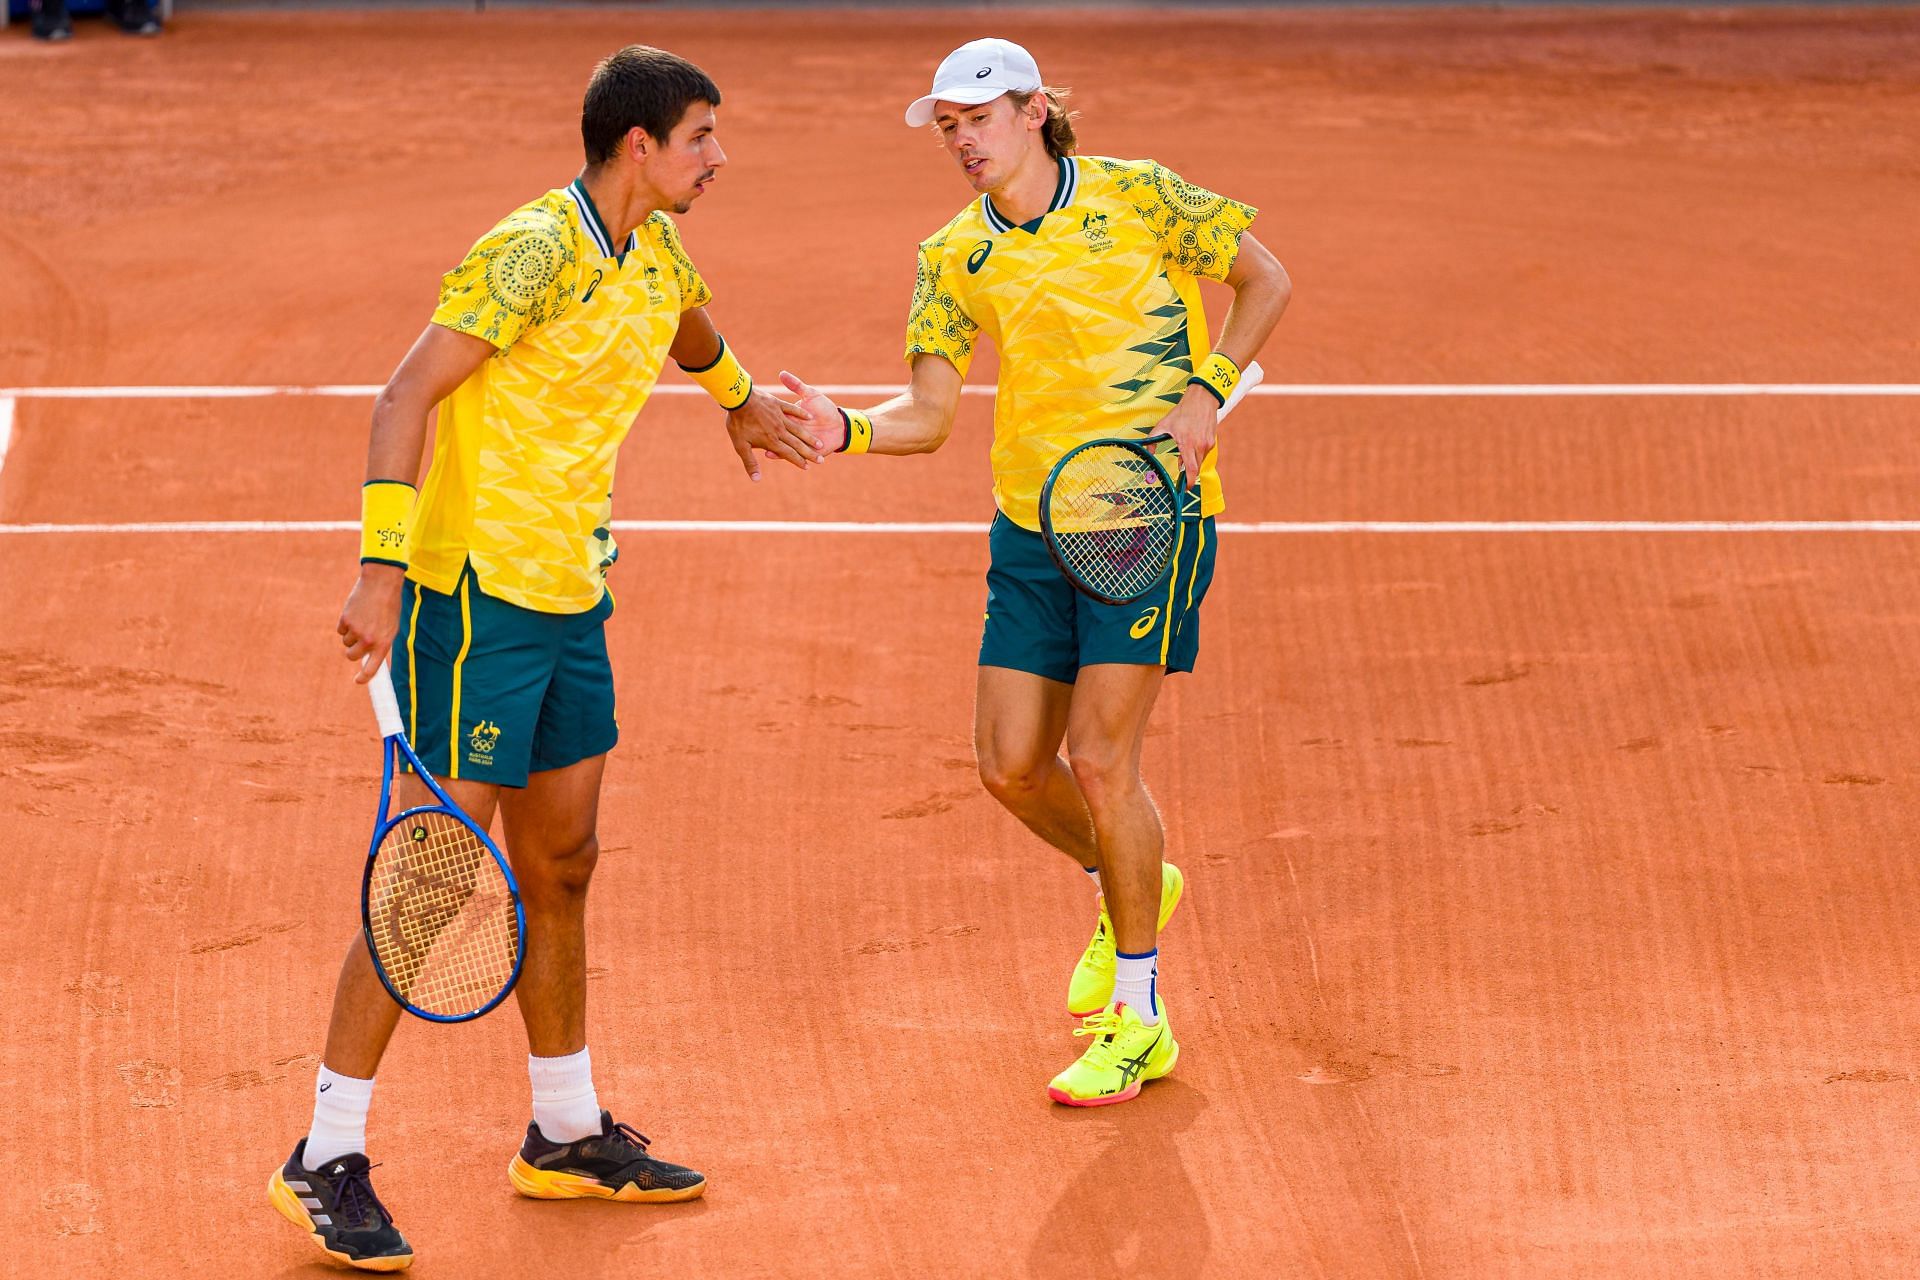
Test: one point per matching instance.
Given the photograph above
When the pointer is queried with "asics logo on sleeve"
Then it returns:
(978, 258)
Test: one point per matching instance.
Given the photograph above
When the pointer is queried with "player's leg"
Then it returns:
(325, 1187)
(1125, 654)
(1107, 728)
(1027, 665)
(573, 1148)
(1132, 1036)
(1019, 722)
(551, 829)
(364, 1015)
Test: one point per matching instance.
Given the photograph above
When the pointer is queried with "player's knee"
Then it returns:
(1012, 781)
(1103, 773)
(565, 872)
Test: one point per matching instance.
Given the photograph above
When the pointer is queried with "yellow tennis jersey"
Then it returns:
(522, 475)
(1094, 308)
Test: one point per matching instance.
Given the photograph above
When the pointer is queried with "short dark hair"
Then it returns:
(643, 87)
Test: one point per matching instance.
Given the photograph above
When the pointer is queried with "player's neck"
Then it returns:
(1029, 192)
(623, 201)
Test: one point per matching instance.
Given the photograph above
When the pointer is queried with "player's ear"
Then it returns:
(638, 143)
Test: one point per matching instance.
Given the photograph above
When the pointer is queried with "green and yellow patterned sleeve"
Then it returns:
(937, 324)
(1199, 229)
(519, 276)
(693, 288)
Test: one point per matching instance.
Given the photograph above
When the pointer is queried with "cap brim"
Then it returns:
(972, 95)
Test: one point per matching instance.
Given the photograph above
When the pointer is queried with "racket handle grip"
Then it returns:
(1250, 377)
(386, 707)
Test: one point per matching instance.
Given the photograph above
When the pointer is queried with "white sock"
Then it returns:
(1094, 874)
(564, 1104)
(1133, 984)
(339, 1117)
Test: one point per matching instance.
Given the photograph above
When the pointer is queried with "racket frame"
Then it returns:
(394, 745)
(1141, 446)
(1252, 376)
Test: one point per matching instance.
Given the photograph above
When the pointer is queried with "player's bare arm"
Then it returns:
(1260, 293)
(918, 420)
(765, 422)
(438, 363)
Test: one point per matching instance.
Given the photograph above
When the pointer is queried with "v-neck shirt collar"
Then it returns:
(1063, 192)
(596, 228)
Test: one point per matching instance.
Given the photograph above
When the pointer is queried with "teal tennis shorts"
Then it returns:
(491, 692)
(1038, 622)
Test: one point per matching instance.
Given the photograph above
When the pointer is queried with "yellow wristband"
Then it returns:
(724, 379)
(386, 514)
(1218, 375)
(859, 432)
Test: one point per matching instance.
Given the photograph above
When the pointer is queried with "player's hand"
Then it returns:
(823, 418)
(776, 428)
(371, 618)
(1194, 425)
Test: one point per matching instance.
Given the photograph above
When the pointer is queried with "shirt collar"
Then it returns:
(1063, 192)
(597, 229)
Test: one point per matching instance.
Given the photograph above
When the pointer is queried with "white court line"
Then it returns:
(978, 527)
(6, 428)
(1296, 389)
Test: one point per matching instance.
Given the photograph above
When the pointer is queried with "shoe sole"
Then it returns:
(1166, 914)
(1127, 1094)
(281, 1197)
(541, 1184)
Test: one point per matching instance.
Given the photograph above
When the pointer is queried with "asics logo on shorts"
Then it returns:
(1144, 623)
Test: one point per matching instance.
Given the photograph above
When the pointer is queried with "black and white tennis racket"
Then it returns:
(439, 904)
(1110, 511)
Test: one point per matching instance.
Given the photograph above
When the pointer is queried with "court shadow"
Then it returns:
(1133, 1210)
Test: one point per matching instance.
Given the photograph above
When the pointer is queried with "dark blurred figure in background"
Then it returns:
(51, 21)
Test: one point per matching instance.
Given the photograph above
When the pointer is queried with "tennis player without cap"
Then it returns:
(547, 341)
(1083, 271)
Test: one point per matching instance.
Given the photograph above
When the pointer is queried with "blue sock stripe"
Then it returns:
(1144, 955)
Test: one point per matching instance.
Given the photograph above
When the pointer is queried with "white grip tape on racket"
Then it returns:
(1250, 377)
(386, 707)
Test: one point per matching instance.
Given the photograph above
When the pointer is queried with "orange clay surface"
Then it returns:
(1550, 897)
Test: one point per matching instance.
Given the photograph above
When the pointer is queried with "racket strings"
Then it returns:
(441, 915)
(1114, 519)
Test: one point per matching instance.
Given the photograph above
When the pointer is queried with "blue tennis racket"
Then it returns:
(439, 905)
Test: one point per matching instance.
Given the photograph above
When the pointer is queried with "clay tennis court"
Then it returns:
(1550, 888)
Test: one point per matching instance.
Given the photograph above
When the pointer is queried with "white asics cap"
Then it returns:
(978, 71)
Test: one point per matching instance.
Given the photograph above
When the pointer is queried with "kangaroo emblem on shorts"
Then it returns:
(484, 735)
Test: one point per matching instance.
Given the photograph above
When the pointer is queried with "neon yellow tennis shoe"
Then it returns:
(1091, 989)
(1125, 1053)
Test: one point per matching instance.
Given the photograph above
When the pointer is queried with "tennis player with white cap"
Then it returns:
(1084, 271)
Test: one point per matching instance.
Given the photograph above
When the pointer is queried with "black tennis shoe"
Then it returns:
(337, 1207)
(51, 21)
(611, 1165)
(136, 17)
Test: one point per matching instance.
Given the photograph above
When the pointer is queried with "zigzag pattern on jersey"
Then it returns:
(1200, 228)
(1169, 354)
